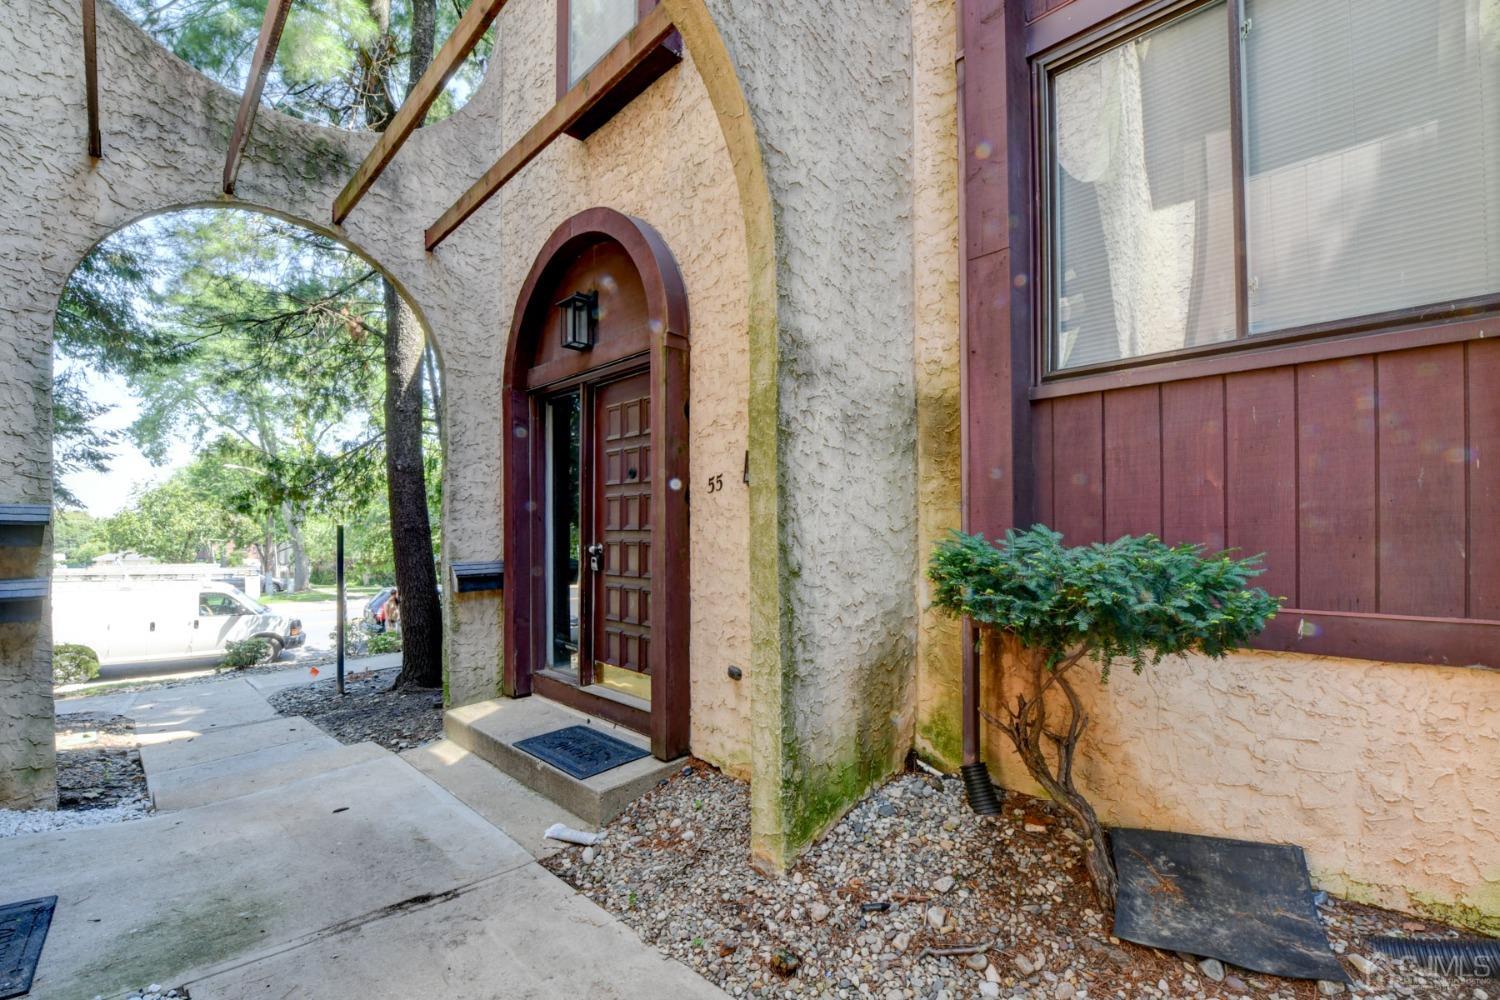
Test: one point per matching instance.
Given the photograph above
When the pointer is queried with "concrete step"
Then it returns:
(491, 729)
(164, 751)
(521, 813)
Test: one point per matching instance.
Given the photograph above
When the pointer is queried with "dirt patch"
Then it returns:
(912, 896)
(98, 762)
(369, 710)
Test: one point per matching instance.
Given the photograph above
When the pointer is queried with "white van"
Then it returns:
(166, 620)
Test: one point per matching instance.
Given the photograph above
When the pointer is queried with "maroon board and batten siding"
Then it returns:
(1366, 469)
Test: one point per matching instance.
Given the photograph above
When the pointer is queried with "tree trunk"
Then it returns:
(375, 77)
(406, 486)
(1025, 726)
(423, 31)
(268, 550)
(301, 564)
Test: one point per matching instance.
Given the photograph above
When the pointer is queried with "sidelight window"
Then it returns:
(1272, 167)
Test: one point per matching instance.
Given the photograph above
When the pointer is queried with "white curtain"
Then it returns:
(1145, 226)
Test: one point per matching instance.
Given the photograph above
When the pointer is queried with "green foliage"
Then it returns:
(185, 519)
(263, 345)
(333, 59)
(98, 327)
(383, 642)
(73, 664)
(1135, 598)
(245, 653)
(74, 536)
(367, 548)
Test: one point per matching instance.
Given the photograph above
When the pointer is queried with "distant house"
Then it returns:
(743, 305)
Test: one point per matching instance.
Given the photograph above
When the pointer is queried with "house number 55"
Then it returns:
(716, 483)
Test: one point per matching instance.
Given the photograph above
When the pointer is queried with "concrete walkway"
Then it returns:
(282, 864)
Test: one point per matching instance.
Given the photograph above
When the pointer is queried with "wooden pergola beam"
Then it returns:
(631, 51)
(471, 28)
(91, 77)
(255, 85)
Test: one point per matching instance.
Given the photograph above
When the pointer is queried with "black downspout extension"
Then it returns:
(979, 790)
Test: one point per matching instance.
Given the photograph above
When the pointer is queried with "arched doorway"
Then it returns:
(219, 391)
(596, 474)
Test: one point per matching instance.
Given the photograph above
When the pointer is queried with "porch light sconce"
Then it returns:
(580, 320)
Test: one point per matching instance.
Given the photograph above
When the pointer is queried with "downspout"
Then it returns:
(979, 790)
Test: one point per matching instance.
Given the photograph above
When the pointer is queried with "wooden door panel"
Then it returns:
(623, 587)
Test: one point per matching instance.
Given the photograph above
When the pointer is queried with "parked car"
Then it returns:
(376, 608)
(124, 623)
(374, 615)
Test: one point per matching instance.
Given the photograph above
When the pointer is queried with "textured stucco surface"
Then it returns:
(937, 302)
(1384, 772)
(829, 86)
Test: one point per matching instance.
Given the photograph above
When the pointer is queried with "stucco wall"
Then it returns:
(938, 304)
(1385, 773)
(833, 439)
(663, 159)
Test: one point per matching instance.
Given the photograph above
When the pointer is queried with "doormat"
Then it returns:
(1245, 903)
(582, 751)
(23, 931)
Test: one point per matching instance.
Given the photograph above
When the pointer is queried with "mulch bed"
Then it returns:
(910, 873)
(369, 710)
(98, 762)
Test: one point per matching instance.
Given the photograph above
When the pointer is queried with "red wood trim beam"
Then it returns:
(1454, 642)
(91, 77)
(471, 28)
(260, 69)
(633, 49)
(1257, 356)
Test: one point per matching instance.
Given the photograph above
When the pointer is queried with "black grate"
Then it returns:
(23, 931)
(581, 751)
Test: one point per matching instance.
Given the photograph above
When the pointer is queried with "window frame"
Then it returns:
(564, 39)
(1410, 324)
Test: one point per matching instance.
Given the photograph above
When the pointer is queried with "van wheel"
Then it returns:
(273, 650)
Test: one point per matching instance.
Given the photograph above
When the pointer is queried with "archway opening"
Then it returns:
(230, 387)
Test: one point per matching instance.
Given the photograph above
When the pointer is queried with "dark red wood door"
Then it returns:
(622, 526)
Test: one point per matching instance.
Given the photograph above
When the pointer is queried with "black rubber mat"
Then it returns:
(581, 751)
(1241, 902)
(23, 931)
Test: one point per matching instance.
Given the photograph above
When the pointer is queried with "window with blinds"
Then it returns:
(1369, 180)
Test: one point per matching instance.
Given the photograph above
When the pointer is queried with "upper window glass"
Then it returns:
(1370, 181)
(1372, 144)
(594, 26)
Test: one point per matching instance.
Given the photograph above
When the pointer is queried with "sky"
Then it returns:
(105, 493)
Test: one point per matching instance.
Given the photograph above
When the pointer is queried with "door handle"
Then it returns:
(195, 623)
(153, 626)
(596, 557)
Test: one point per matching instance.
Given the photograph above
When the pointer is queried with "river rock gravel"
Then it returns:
(912, 897)
(369, 709)
(99, 778)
